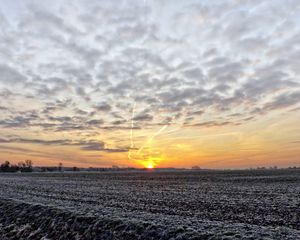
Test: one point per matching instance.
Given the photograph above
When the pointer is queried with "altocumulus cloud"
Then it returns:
(79, 68)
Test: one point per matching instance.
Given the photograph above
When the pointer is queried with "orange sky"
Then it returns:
(266, 142)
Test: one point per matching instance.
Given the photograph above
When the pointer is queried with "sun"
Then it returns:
(150, 162)
(150, 165)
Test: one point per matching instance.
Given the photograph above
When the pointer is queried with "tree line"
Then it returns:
(25, 166)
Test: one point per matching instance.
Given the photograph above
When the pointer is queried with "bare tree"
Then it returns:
(5, 166)
(21, 165)
(60, 166)
(28, 163)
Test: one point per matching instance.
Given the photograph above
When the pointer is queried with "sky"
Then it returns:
(152, 83)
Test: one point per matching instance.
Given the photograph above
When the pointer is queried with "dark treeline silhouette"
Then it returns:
(59, 168)
(27, 166)
(20, 167)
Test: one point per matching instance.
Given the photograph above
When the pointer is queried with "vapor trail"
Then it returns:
(154, 135)
(162, 129)
(131, 130)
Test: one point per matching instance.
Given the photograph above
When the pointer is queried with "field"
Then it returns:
(256, 204)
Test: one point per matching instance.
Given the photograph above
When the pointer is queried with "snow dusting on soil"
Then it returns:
(260, 204)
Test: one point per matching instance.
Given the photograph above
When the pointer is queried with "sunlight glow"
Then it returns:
(150, 165)
(152, 162)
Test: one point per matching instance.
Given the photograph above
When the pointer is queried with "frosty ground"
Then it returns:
(249, 204)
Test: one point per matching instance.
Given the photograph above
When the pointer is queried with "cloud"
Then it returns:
(93, 146)
(17, 122)
(213, 124)
(194, 74)
(105, 107)
(10, 75)
(95, 122)
(100, 146)
(36, 141)
(267, 83)
(229, 72)
(119, 122)
(90, 145)
(283, 101)
(60, 119)
(143, 117)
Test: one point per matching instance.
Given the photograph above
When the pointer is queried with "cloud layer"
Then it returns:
(77, 68)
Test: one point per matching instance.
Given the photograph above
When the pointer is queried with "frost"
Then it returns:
(152, 205)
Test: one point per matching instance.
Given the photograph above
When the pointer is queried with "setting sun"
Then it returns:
(150, 165)
(151, 162)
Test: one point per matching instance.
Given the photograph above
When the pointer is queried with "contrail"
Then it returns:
(151, 138)
(154, 135)
(163, 128)
(131, 130)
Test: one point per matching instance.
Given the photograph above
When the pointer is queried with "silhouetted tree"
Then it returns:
(5, 166)
(28, 163)
(28, 166)
(75, 169)
(21, 165)
(60, 166)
